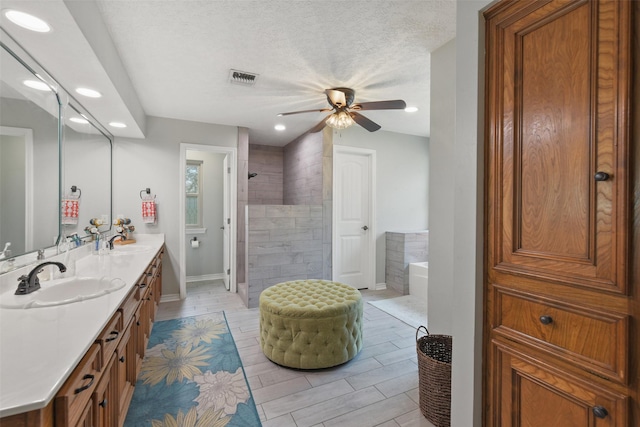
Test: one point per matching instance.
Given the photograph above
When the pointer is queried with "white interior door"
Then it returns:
(353, 217)
(226, 227)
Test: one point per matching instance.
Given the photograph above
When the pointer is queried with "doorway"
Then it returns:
(208, 189)
(354, 221)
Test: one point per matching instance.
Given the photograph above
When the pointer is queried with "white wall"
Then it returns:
(441, 193)
(154, 162)
(402, 182)
(466, 406)
(207, 258)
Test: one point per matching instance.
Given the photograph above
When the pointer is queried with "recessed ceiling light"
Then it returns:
(37, 84)
(280, 127)
(411, 109)
(27, 21)
(88, 92)
(79, 120)
(117, 125)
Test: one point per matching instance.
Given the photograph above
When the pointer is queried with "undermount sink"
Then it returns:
(62, 291)
(128, 249)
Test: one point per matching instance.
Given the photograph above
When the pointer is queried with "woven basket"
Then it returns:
(434, 370)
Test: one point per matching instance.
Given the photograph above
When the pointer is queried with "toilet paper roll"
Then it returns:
(195, 243)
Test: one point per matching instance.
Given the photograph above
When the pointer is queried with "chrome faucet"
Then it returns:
(122, 237)
(31, 283)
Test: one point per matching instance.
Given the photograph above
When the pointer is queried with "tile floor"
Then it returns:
(376, 388)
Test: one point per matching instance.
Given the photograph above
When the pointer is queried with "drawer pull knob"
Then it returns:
(122, 359)
(103, 403)
(138, 323)
(546, 320)
(86, 386)
(114, 335)
(601, 176)
(142, 285)
(600, 412)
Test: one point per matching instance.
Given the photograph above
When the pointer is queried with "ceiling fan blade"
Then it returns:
(369, 125)
(322, 110)
(336, 97)
(319, 126)
(396, 104)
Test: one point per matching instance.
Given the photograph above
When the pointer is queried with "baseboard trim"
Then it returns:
(169, 298)
(380, 286)
(205, 277)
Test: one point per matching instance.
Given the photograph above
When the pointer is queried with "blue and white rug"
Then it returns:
(192, 376)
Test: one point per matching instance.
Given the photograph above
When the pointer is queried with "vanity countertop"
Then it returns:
(40, 347)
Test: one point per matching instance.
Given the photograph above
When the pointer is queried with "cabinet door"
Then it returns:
(105, 397)
(532, 395)
(126, 367)
(87, 416)
(557, 136)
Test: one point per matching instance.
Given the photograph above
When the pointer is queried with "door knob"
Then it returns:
(601, 176)
(365, 228)
(545, 320)
(600, 412)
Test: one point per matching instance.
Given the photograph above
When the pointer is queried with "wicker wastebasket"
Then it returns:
(434, 371)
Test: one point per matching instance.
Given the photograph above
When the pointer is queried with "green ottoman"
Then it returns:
(310, 324)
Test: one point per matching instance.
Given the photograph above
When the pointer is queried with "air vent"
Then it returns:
(242, 77)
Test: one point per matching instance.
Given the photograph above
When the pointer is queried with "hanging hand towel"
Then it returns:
(149, 210)
(70, 209)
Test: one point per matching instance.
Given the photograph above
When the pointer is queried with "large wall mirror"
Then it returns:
(29, 157)
(86, 192)
(51, 151)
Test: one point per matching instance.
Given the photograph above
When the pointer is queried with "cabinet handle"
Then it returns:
(601, 176)
(149, 274)
(142, 285)
(122, 359)
(600, 412)
(138, 323)
(114, 336)
(546, 320)
(103, 403)
(86, 386)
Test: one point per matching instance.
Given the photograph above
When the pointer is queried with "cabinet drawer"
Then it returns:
(72, 399)
(596, 341)
(110, 337)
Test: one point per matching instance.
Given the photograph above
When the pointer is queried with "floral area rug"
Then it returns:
(192, 376)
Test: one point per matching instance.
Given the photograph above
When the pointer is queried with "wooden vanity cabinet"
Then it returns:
(99, 390)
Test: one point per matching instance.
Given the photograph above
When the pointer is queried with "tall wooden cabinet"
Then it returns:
(562, 206)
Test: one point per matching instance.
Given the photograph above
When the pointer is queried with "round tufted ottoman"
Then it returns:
(310, 324)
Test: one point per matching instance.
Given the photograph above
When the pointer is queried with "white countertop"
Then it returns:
(40, 347)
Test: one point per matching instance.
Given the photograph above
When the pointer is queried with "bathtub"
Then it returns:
(419, 280)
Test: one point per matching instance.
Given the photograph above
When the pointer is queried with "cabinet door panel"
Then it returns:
(556, 126)
(533, 395)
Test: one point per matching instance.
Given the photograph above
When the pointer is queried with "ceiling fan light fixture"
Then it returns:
(340, 120)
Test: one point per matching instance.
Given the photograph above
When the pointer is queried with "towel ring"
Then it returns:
(146, 190)
(74, 189)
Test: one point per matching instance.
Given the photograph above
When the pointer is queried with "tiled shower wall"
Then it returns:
(303, 170)
(403, 248)
(284, 243)
(266, 187)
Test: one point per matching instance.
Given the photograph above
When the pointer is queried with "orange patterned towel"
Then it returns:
(70, 210)
(149, 210)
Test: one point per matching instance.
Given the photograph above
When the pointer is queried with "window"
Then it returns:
(193, 188)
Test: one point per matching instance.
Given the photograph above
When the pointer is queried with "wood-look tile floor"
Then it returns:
(379, 387)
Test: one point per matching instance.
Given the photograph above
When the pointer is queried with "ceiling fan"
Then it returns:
(345, 112)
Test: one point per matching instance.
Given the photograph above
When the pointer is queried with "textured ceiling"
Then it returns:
(176, 56)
